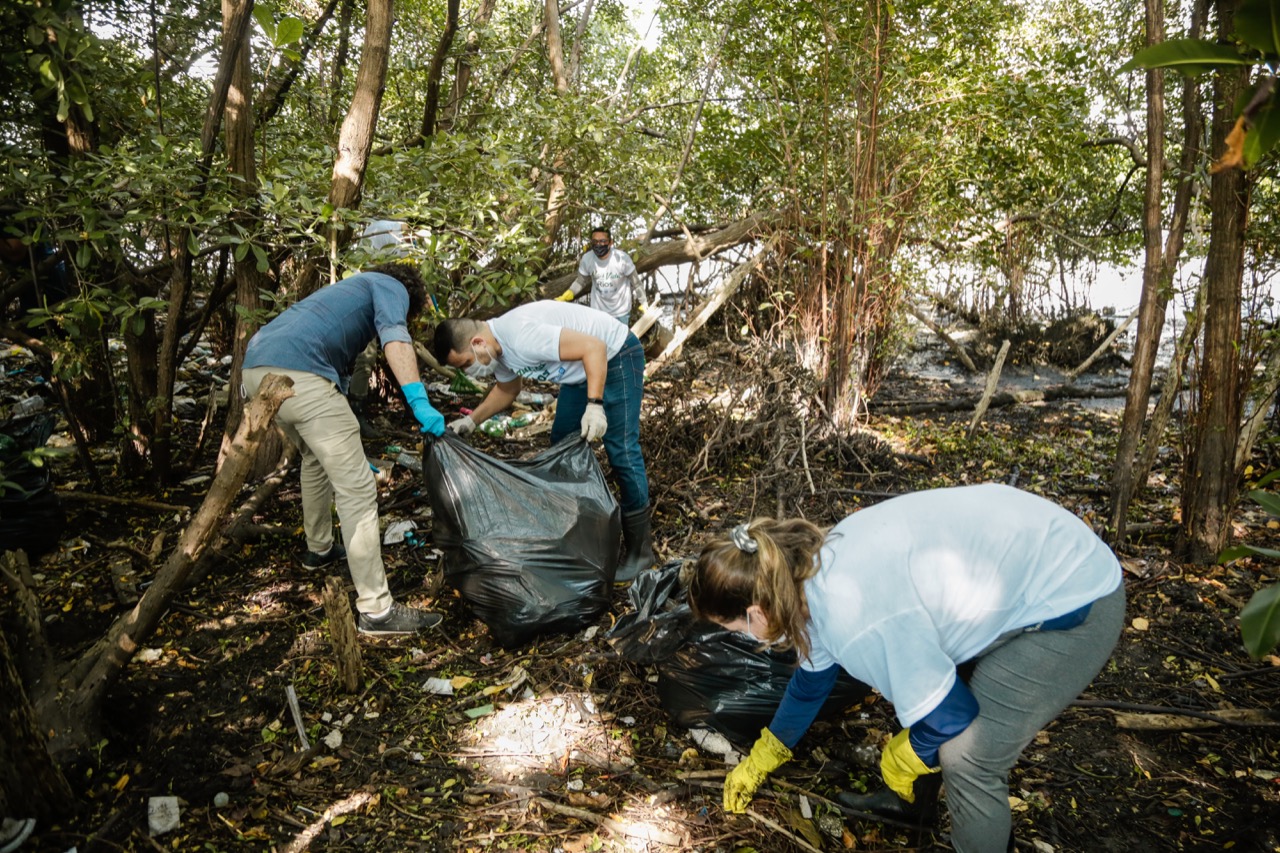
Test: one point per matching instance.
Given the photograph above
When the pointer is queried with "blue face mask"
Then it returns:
(600, 251)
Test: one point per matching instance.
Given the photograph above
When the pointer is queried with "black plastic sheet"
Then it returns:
(31, 515)
(707, 675)
(531, 545)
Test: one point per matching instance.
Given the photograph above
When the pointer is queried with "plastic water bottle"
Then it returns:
(495, 426)
(533, 398)
(409, 460)
(28, 406)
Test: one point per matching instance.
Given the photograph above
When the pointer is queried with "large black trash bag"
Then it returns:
(707, 675)
(531, 545)
(30, 513)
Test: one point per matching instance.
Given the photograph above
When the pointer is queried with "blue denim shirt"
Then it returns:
(324, 333)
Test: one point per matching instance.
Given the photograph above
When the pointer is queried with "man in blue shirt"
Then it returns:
(315, 342)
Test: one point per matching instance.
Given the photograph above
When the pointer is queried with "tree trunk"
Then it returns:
(1159, 264)
(355, 140)
(428, 127)
(554, 214)
(249, 282)
(31, 784)
(340, 61)
(1209, 480)
(462, 72)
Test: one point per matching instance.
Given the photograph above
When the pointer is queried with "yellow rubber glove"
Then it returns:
(740, 785)
(899, 765)
(567, 296)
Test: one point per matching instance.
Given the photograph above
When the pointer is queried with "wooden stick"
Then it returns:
(993, 379)
(342, 628)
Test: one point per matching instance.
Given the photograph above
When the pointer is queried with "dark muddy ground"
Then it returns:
(559, 746)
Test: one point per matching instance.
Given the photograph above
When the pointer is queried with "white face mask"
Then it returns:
(478, 369)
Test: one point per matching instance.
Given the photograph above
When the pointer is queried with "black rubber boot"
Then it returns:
(638, 545)
(886, 803)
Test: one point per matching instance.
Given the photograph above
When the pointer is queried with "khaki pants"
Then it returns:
(334, 472)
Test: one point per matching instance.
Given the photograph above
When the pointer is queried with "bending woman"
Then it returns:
(900, 594)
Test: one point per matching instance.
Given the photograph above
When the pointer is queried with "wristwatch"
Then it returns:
(597, 400)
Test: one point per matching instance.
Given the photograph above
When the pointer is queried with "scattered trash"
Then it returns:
(482, 711)
(575, 785)
(533, 398)
(149, 655)
(221, 800)
(31, 515)
(711, 741)
(164, 814)
(333, 739)
(27, 406)
(531, 545)
(397, 531)
(438, 686)
(412, 461)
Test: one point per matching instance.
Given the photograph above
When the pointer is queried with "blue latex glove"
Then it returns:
(416, 396)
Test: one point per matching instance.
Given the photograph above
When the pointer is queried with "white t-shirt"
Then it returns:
(910, 588)
(612, 281)
(530, 339)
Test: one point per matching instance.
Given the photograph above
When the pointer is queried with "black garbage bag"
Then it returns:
(707, 675)
(31, 515)
(531, 545)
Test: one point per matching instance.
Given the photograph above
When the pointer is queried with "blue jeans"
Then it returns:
(623, 388)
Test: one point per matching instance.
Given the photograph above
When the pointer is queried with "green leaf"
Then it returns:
(1258, 25)
(1260, 621)
(193, 245)
(264, 19)
(261, 257)
(242, 250)
(289, 31)
(1270, 501)
(1235, 552)
(1188, 56)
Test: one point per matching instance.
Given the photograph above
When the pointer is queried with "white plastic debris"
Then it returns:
(438, 686)
(806, 810)
(221, 800)
(333, 739)
(163, 814)
(590, 632)
(710, 741)
(149, 655)
(574, 785)
(396, 531)
(1042, 846)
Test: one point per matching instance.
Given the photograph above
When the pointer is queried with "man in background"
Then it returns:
(612, 276)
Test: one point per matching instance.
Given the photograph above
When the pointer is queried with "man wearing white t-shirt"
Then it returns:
(599, 366)
(612, 276)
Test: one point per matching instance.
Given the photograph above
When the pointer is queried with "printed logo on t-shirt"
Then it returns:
(541, 373)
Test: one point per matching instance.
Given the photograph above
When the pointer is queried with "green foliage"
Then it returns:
(1260, 618)
(1257, 32)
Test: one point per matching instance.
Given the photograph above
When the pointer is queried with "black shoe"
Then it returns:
(638, 543)
(401, 620)
(887, 804)
(336, 552)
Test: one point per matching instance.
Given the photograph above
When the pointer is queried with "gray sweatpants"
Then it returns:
(1021, 683)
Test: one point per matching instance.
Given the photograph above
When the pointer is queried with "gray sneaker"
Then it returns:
(401, 620)
(14, 832)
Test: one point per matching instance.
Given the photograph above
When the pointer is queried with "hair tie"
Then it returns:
(743, 539)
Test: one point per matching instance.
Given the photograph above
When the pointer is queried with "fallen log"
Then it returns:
(1004, 398)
